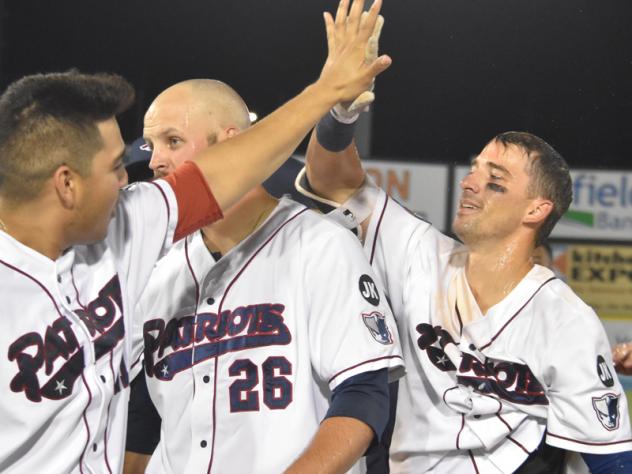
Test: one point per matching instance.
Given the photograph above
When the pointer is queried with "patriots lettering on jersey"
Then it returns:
(33, 352)
(242, 328)
(508, 380)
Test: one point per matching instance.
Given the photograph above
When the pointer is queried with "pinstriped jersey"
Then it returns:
(65, 362)
(481, 391)
(241, 353)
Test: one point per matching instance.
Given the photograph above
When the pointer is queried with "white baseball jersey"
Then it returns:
(241, 354)
(480, 392)
(65, 338)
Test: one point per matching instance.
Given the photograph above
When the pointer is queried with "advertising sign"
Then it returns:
(601, 275)
(601, 208)
(422, 188)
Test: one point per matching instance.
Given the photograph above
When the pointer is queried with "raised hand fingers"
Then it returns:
(330, 29)
(341, 18)
(353, 21)
(380, 65)
(372, 46)
(367, 26)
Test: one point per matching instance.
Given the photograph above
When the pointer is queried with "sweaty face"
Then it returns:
(494, 196)
(100, 190)
(176, 129)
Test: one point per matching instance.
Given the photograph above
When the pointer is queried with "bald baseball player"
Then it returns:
(273, 297)
(506, 366)
(76, 251)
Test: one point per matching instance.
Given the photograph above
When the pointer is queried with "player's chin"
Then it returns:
(463, 228)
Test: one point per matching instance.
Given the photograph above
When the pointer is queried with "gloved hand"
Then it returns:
(348, 112)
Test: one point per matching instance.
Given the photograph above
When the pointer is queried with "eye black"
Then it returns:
(496, 187)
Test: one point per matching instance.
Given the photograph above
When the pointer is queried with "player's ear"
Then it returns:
(231, 132)
(65, 183)
(538, 211)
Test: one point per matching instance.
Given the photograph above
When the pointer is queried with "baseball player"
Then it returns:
(268, 312)
(503, 360)
(75, 251)
(143, 423)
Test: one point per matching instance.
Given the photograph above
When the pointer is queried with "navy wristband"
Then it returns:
(333, 135)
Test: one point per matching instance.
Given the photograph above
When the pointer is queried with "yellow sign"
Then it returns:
(601, 275)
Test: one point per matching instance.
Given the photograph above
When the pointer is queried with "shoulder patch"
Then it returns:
(376, 323)
(369, 290)
(604, 372)
(607, 410)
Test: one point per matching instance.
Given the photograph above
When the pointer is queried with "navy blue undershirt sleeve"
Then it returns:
(143, 421)
(614, 463)
(377, 455)
(364, 397)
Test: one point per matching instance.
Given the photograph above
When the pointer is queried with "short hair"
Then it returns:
(550, 176)
(47, 120)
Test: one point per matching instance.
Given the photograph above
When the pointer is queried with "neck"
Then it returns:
(33, 225)
(241, 220)
(494, 271)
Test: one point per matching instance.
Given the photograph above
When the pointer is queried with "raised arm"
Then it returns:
(234, 166)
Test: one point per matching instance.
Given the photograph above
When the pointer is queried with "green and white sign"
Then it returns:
(601, 207)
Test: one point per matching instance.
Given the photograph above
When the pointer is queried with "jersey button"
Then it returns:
(58, 278)
(103, 378)
(94, 447)
(203, 443)
(68, 299)
(206, 379)
(210, 301)
(472, 347)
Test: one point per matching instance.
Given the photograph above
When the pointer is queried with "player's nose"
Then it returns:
(470, 182)
(158, 163)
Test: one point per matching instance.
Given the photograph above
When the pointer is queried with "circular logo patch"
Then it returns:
(368, 290)
(604, 372)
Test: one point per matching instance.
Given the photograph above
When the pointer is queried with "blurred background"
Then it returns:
(463, 71)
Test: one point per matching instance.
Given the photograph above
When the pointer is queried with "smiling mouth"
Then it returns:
(467, 207)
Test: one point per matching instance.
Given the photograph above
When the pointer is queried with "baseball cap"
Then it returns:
(136, 159)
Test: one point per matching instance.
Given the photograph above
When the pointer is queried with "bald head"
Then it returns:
(188, 117)
(217, 99)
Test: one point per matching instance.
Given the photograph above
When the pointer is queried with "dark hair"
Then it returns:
(550, 176)
(47, 120)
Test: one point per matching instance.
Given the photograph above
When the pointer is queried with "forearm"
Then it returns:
(338, 444)
(333, 175)
(235, 166)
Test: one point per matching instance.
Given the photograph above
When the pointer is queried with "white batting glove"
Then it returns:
(349, 112)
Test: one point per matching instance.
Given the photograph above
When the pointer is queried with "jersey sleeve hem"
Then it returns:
(172, 209)
(197, 206)
(591, 447)
(394, 363)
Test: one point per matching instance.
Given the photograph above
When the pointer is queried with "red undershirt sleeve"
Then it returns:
(197, 206)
